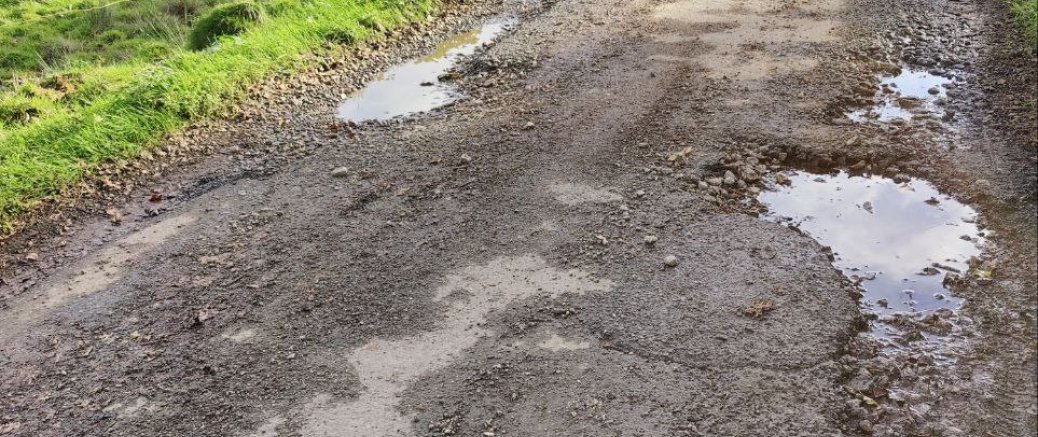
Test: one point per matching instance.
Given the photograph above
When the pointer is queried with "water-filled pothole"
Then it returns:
(910, 93)
(899, 240)
(415, 86)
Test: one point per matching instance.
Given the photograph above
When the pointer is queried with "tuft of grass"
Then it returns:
(183, 9)
(92, 111)
(1025, 13)
(225, 20)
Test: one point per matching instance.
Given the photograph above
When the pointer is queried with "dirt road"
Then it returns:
(501, 266)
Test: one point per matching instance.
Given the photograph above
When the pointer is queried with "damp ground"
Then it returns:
(535, 259)
(900, 241)
(419, 85)
(909, 94)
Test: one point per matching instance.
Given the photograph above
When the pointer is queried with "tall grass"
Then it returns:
(127, 107)
(1026, 15)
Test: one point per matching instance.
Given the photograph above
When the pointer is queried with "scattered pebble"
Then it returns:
(114, 216)
(670, 261)
(729, 178)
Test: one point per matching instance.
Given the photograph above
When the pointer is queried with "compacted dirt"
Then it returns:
(499, 267)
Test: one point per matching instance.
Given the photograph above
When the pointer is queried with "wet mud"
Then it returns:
(418, 85)
(572, 245)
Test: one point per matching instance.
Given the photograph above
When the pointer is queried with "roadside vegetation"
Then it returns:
(84, 81)
(1026, 14)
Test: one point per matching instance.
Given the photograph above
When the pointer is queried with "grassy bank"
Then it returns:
(115, 85)
(1026, 14)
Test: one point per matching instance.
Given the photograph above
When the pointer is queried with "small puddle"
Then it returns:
(901, 97)
(414, 86)
(898, 240)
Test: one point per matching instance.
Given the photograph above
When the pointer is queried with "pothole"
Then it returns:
(415, 86)
(905, 96)
(904, 242)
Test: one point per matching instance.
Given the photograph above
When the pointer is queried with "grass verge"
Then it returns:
(101, 112)
(1026, 14)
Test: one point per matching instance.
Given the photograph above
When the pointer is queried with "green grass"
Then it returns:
(225, 20)
(1026, 14)
(61, 118)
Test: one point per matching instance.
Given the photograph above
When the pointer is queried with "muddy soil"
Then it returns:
(572, 245)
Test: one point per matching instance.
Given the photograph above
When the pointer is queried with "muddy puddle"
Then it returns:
(415, 86)
(898, 240)
(909, 94)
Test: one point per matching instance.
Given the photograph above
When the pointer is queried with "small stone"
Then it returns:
(340, 172)
(865, 426)
(782, 179)
(639, 193)
(703, 185)
(529, 125)
(714, 181)
(32, 257)
(650, 239)
(749, 175)
(114, 216)
(670, 261)
(729, 178)
(465, 158)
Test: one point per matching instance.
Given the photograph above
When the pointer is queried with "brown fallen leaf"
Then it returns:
(759, 308)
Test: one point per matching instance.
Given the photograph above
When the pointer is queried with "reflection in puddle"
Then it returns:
(912, 92)
(414, 86)
(899, 239)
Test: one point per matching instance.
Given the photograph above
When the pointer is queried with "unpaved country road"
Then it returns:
(496, 267)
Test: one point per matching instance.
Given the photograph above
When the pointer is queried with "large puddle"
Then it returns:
(909, 94)
(415, 86)
(898, 240)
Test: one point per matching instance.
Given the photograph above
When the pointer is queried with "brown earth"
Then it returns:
(482, 269)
